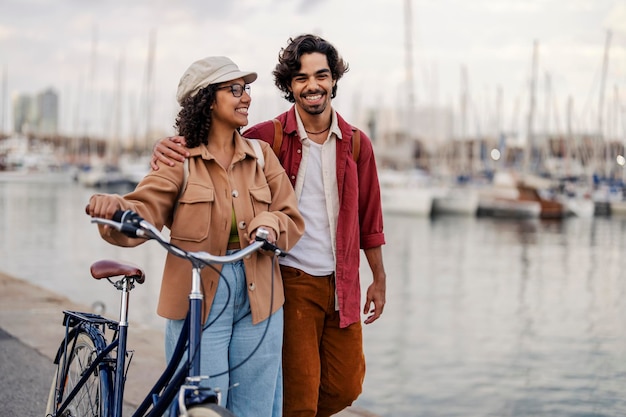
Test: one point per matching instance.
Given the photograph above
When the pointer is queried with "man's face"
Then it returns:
(312, 85)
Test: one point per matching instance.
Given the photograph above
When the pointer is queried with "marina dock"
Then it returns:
(33, 315)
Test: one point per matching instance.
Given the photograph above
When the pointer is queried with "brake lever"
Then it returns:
(261, 236)
(127, 229)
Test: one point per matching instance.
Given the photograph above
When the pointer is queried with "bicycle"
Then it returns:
(91, 370)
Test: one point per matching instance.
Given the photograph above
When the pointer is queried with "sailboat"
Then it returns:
(502, 199)
(459, 198)
(406, 192)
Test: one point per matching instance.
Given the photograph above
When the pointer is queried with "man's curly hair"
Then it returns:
(194, 119)
(289, 62)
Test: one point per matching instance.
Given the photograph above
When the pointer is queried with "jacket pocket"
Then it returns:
(261, 198)
(192, 219)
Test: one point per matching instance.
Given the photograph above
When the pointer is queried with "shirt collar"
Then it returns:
(334, 125)
(242, 148)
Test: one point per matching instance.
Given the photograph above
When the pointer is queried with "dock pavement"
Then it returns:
(30, 333)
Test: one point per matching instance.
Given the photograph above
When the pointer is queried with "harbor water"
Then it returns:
(484, 317)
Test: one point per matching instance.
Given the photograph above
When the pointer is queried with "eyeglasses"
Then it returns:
(237, 89)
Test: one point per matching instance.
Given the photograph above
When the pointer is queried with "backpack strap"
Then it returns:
(356, 145)
(185, 176)
(278, 136)
(260, 159)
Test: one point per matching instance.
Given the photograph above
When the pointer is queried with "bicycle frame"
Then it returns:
(173, 378)
(164, 391)
(170, 381)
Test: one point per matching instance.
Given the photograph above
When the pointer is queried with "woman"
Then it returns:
(228, 194)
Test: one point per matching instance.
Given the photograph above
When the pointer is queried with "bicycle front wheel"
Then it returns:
(94, 396)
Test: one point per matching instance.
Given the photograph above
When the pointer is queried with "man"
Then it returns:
(339, 197)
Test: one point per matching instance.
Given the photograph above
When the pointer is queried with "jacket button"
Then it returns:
(235, 193)
(299, 151)
(242, 225)
(293, 177)
(251, 287)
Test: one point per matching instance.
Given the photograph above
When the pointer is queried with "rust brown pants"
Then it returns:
(323, 364)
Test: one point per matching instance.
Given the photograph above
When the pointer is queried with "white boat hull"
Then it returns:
(618, 208)
(405, 192)
(407, 200)
(579, 207)
(456, 202)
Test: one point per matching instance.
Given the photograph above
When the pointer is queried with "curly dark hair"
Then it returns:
(194, 119)
(289, 62)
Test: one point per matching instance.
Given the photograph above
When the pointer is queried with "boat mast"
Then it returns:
(149, 90)
(91, 97)
(93, 65)
(530, 138)
(620, 113)
(408, 52)
(463, 151)
(600, 145)
(545, 148)
(114, 150)
(4, 101)
(499, 133)
(569, 138)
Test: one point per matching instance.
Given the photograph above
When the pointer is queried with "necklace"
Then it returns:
(317, 133)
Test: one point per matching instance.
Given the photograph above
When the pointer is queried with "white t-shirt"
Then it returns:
(318, 201)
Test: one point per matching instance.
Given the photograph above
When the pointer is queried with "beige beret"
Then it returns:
(207, 71)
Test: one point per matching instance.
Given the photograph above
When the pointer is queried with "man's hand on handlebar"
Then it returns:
(168, 150)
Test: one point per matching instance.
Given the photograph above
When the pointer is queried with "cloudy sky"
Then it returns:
(95, 53)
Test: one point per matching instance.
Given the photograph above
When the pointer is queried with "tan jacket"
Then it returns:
(202, 221)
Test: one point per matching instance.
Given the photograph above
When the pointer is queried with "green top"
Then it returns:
(234, 235)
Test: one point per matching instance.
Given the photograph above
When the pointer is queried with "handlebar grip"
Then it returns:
(122, 216)
(273, 248)
(261, 236)
(262, 233)
(126, 216)
(127, 222)
(131, 230)
(118, 216)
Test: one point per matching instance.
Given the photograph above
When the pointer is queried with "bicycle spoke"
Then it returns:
(88, 399)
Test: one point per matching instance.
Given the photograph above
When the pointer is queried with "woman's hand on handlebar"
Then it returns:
(168, 150)
(102, 206)
(267, 235)
(271, 235)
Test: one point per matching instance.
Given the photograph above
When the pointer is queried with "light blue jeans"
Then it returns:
(251, 387)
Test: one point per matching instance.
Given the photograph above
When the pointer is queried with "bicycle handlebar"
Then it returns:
(131, 224)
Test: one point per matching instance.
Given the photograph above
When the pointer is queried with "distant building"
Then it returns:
(38, 116)
(47, 112)
(23, 114)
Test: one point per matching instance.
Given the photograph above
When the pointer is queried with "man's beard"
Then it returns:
(314, 109)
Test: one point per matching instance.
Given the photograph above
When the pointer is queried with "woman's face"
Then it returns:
(232, 101)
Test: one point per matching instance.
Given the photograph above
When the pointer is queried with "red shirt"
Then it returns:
(360, 219)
